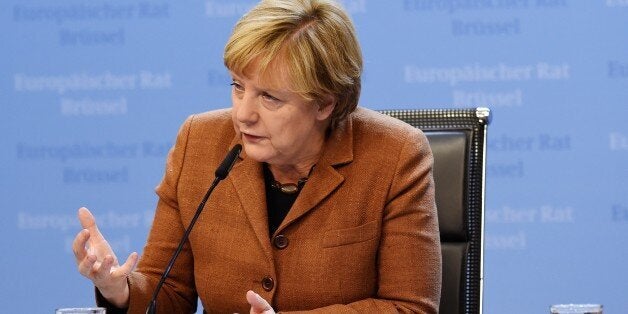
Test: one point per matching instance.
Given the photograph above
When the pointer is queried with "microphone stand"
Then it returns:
(221, 173)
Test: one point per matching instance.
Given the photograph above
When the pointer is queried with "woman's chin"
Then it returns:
(256, 153)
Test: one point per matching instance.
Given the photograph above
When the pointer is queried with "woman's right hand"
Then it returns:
(97, 261)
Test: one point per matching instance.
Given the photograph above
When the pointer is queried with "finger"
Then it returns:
(128, 266)
(103, 270)
(78, 245)
(258, 304)
(86, 218)
(88, 222)
(86, 265)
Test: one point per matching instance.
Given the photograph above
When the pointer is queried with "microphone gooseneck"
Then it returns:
(221, 173)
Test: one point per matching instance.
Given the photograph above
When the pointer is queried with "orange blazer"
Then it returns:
(361, 237)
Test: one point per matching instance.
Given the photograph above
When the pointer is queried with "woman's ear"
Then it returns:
(326, 107)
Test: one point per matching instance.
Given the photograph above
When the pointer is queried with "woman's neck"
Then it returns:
(299, 169)
(293, 173)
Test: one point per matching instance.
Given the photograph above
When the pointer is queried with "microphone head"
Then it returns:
(223, 170)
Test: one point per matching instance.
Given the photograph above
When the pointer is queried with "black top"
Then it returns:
(278, 203)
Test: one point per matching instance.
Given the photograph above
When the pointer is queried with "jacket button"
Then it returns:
(268, 283)
(280, 241)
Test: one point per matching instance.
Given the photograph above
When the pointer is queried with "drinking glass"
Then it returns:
(81, 310)
(576, 309)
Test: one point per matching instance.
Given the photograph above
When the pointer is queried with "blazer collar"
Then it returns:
(247, 178)
(325, 178)
(339, 145)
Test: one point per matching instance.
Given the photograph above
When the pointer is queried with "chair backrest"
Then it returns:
(458, 141)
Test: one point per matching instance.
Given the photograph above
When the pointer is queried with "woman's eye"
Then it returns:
(237, 86)
(269, 97)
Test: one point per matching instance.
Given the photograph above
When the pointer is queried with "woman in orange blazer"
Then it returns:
(329, 208)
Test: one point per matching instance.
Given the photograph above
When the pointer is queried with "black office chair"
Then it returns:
(458, 141)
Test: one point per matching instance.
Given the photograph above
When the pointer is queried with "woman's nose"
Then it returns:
(246, 109)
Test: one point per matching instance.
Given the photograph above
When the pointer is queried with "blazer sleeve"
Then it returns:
(409, 256)
(178, 294)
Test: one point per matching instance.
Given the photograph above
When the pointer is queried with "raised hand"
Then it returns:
(97, 261)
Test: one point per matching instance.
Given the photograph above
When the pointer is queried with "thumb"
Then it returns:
(258, 304)
(128, 266)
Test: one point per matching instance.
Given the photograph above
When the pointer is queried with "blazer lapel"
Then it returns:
(247, 179)
(325, 178)
(322, 182)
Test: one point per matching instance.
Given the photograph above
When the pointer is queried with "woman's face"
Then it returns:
(277, 126)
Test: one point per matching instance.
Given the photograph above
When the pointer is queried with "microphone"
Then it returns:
(221, 172)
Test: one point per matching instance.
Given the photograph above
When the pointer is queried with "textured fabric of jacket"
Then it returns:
(362, 235)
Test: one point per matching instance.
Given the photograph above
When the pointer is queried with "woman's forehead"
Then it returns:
(275, 75)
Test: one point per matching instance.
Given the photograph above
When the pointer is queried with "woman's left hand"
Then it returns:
(258, 304)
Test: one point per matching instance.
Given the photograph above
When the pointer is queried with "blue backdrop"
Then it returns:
(92, 94)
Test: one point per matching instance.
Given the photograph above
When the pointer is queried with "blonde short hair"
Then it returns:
(314, 40)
